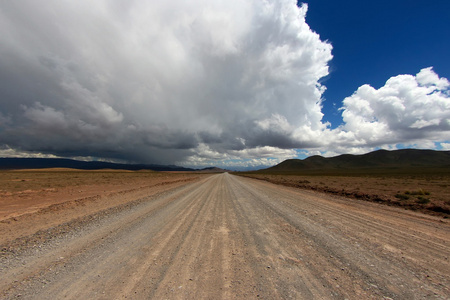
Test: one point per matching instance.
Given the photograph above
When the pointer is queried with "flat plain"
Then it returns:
(427, 192)
(204, 236)
(38, 199)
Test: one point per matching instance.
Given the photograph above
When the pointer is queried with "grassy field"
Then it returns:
(426, 191)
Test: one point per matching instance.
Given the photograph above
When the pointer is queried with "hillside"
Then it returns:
(404, 160)
(43, 163)
(212, 170)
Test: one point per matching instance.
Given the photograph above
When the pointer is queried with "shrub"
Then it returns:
(420, 192)
(439, 209)
(422, 200)
(402, 196)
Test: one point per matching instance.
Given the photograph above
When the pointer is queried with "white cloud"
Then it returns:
(445, 146)
(240, 159)
(6, 151)
(264, 152)
(406, 110)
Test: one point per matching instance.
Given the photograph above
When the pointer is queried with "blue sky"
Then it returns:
(375, 40)
(236, 84)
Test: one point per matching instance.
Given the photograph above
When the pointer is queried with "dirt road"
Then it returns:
(227, 237)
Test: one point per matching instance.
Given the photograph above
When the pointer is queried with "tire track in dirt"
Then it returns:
(378, 268)
(389, 239)
(227, 237)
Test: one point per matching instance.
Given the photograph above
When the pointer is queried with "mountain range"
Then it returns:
(403, 160)
(42, 163)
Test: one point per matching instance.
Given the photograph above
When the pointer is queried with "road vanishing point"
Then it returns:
(229, 237)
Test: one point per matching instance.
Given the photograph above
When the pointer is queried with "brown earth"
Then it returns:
(228, 237)
(427, 193)
(31, 200)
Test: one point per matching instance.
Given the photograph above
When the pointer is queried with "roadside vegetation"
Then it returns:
(424, 190)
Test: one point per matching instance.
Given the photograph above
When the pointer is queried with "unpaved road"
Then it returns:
(227, 237)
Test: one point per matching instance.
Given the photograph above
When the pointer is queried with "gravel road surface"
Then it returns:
(228, 237)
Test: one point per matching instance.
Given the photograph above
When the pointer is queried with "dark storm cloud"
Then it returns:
(154, 81)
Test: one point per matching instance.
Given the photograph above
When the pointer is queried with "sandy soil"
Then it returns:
(228, 237)
(427, 193)
(32, 200)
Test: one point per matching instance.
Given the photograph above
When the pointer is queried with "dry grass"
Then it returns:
(32, 180)
(427, 192)
(28, 191)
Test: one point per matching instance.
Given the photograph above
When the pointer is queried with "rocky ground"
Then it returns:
(226, 237)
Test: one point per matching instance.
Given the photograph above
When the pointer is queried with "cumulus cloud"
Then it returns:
(159, 82)
(410, 110)
(260, 157)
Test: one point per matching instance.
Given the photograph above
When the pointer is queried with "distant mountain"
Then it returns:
(213, 170)
(405, 159)
(42, 163)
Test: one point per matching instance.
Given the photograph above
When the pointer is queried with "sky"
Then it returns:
(238, 84)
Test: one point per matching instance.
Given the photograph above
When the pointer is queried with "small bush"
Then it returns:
(402, 196)
(422, 200)
(420, 192)
(439, 209)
